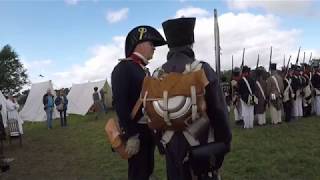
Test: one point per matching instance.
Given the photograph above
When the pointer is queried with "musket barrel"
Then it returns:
(217, 43)
(297, 60)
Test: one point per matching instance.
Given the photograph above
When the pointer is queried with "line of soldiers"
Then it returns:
(289, 94)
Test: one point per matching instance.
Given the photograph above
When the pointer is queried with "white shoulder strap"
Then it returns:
(194, 66)
(275, 81)
(246, 81)
(261, 90)
(289, 85)
(156, 73)
(310, 77)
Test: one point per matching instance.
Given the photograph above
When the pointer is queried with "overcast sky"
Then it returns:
(76, 41)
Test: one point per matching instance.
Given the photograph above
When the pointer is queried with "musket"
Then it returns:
(270, 58)
(231, 86)
(242, 62)
(304, 57)
(284, 61)
(217, 44)
(287, 68)
(310, 58)
(231, 65)
(310, 61)
(297, 60)
(258, 61)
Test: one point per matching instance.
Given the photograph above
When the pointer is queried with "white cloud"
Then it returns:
(71, 2)
(291, 7)
(256, 33)
(116, 16)
(99, 66)
(35, 68)
(36, 63)
(191, 12)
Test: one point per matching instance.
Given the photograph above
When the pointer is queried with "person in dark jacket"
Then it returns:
(261, 90)
(2, 132)
(97, 103)
(287, 96)
(180, 38)
(246, 92)
(127, 78)
(61, 103)
(48, 102)
(2, 129)
(297, 111)
(315, 80)
(307, 90)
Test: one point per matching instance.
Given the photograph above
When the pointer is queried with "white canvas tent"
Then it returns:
(4, 109)
(80, 96)
(33, 108)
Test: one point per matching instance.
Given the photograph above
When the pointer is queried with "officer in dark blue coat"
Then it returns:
(180, 38)
(127, 78)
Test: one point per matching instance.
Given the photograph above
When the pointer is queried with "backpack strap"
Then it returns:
(289, 85)
(135, 109)
(194, 66)
(276, 82)
(261, 90)
(158, 72)
(193, 103)
(165, 110)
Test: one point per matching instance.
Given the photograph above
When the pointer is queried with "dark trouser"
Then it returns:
(63, 118)
(287, 107)
(307, 111)
(141, 165)
(176, 151)
(178, 168)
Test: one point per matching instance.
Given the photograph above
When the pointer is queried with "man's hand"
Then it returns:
(133, 145)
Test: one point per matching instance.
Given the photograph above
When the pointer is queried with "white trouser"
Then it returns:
(297, 107)
(247, 114)
(275, 115)
(261, 118)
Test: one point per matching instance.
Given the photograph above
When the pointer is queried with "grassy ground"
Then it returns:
(287, 151)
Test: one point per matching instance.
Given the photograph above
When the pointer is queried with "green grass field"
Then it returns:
(285, 152)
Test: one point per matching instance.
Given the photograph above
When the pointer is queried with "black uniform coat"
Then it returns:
(244, 90)
(296, 84)
(315, 80)
(216, 110)
(126, 79)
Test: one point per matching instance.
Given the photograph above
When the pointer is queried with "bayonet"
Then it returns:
(242, 62)
(310, 58)
(258, 61)
(297, 60)
(270, 58)
(287, 68)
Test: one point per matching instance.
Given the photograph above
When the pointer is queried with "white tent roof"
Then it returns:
(33, 108)
(4, 108)
(80, 97)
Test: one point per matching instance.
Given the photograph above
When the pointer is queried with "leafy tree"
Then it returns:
(13, 75)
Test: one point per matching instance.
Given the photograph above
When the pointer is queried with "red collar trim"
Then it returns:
(137, 59)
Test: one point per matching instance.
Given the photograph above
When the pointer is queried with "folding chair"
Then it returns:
(13, 128)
